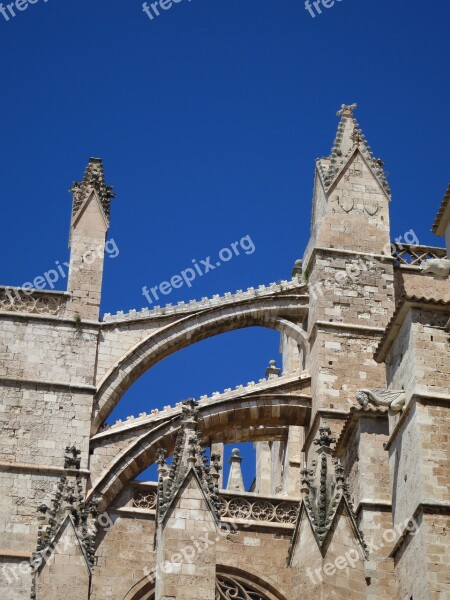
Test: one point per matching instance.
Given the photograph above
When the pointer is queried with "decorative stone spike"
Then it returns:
(93, 179)
(189, 453)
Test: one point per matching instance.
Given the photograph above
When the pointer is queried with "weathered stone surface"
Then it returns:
(353, 319)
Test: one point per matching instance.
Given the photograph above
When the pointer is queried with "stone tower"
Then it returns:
(350, 498)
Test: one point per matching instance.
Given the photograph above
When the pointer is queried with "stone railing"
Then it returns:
(13, 299)
(413, 256)
(217, 300)
(244, 506)
(252, 507)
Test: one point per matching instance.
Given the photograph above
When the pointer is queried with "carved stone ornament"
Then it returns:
(371, 207)
(324, 489)
(346, 203)
(15, 300)
(230, 589)
(72, 458)
(325, 438)
(440, 267)
(188, 453)
(93, 179)
(394, 400)
(68, 502)
(347, 110)
(356, 137)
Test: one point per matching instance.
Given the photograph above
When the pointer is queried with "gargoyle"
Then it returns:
(437, 266)
(394, 400)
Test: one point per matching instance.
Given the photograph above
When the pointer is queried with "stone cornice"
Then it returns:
(405, 304)
(441, 399)
(36, 317)
(133, 513)
(357, 413)
(28, 291)
(50, 469)
(253, 525)
(374, 505)
(341, 251)
(426, 507)
(71, 387)
(351, 327)
(16, 554)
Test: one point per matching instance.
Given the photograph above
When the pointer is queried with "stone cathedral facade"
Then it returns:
(350, 499)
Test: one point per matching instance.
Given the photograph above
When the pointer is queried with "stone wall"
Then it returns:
(125, 555)
(46, 404)
(65, 575)
(335, 572)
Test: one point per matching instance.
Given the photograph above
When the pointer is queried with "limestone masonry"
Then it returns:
(350, 498)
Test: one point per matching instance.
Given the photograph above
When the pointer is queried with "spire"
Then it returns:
(235, 479)
(94, 179)
(349, 137)
(188, 455)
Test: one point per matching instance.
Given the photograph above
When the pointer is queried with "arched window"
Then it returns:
(228, 587)
(231, 589)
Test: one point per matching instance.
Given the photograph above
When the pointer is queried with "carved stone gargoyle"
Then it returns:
(440, 267)
(392, 399)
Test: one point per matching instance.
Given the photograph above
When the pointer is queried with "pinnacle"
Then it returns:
(93, 179)
(349, 136)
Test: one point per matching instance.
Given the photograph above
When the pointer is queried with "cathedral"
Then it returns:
(350, 498)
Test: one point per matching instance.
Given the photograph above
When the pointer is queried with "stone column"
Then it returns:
(263, 468)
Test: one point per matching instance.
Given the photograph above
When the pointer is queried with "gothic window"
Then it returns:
(230, 589)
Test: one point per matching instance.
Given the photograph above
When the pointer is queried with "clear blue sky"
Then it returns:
(209, 119)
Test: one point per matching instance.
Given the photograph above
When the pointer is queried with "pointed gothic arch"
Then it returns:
(231, 584)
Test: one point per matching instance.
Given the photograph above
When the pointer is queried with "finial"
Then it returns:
(324, 438)
(72, 458)
(235, 454)
(297, 269)
(347, 110)
(272, 370)
(190, 411)
(93, 179)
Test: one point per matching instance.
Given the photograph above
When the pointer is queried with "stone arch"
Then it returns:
(187, 331)
(145, 588)
(270, 414)
(252, 582)
(142, 590)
